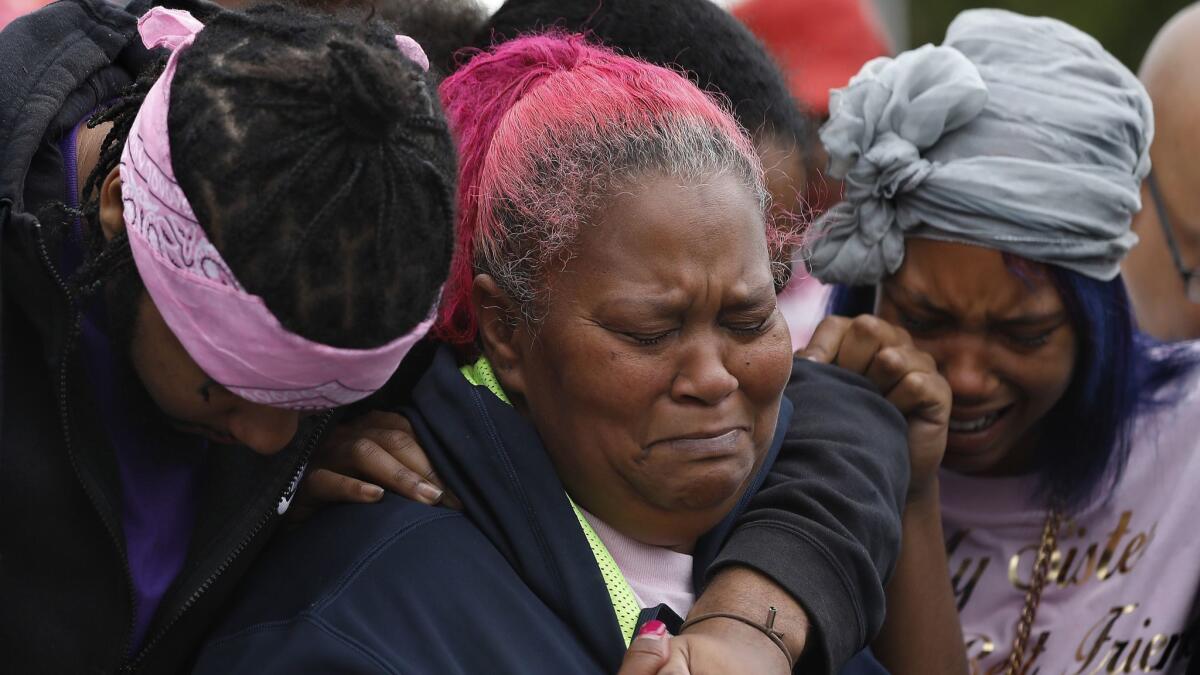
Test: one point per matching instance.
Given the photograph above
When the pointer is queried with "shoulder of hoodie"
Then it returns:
(59, 63)
(835, 396)
(323, 561)
(398, 585)
(52, 42)
(46, 56)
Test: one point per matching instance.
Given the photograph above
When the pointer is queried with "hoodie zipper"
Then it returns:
(64, 411)
(272, 511)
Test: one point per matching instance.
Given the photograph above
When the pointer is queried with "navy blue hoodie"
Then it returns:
(66, 585)
(508, 586)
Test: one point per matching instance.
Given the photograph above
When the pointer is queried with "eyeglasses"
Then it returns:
(1191, 277)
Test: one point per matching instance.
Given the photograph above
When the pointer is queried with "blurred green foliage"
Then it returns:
(1124, 27)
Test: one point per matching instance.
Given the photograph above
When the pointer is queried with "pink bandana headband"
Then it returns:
(227, 331)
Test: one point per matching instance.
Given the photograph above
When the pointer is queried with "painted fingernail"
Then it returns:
(654, 630)
(372, 492)
(428, 493)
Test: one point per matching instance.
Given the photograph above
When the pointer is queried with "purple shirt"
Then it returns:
(159, 469)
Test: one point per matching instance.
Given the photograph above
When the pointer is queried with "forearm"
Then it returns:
(750, 594)
(825, 526)
(922, 634)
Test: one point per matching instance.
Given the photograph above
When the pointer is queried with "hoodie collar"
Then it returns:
(494, 461)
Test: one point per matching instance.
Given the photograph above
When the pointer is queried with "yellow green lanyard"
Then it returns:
(625, 604)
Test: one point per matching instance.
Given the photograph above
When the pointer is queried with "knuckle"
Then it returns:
(892, 358)
(916, 381)
(836, 322)
(869, 325)
(405, 478)
(930, 387)
(363, 448)
(830, 328)
(906, 358)
(395, 441)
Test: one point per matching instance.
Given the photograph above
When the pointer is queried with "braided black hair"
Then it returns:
(109, 263)
(717, 51)
(319, 163)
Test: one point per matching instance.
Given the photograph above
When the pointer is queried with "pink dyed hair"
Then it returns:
(547, 127)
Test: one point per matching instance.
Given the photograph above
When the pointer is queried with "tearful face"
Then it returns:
(656, 374)
(1001, 338)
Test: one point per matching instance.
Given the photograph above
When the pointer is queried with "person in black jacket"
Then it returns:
(824, 532)
(645, 376)
(135, 484)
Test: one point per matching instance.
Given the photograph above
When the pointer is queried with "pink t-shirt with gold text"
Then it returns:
(1125, 579)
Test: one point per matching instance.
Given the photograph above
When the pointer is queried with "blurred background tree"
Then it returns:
(1124, 27)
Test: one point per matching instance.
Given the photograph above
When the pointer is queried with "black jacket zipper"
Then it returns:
(315, 435)
(64, 411)
(272, 511)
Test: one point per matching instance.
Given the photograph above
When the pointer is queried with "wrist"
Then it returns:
(727, 629)
(923, 496)
(749, 593)
(924, 511)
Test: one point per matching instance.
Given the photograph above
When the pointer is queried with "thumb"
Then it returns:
(648, 652)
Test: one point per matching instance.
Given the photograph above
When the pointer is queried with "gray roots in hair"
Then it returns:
(564, 182)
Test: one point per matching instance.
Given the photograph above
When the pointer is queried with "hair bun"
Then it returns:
(369, 108)
(309, 145)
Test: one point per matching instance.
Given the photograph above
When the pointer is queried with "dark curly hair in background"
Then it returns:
(441, 27)
(716, 50)
(319, 163)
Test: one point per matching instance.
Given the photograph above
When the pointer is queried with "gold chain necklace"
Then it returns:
(1033, 596)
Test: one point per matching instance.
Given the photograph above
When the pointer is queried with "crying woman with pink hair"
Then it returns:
(608, 406)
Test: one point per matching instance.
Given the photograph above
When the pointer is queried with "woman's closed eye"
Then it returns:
(1031, 332)
(649, 339)
(742, 323)
(1031, 340)
(751, 326)
(917, 325)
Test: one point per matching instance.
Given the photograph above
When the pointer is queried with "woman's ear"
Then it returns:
(112, 208)
(502, 333)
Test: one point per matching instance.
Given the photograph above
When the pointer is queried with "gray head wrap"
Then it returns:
(1019, 134)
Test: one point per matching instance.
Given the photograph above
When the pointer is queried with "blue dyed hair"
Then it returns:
(1087, 436)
